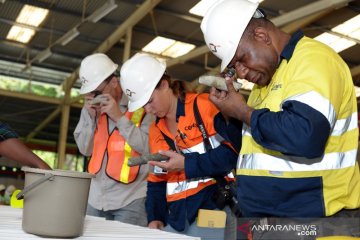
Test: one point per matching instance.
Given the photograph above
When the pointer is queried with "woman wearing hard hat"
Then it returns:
(111, 135)
(300, 137)
(182, 191)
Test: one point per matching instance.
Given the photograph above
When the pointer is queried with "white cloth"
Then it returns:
(94, 228)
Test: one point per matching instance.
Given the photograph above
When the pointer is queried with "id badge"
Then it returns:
(211, 218)
(159, 170)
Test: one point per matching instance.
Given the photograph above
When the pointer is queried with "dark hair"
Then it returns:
(176, 86)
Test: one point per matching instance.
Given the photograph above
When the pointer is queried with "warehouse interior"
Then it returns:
(72, 30)
(42, 44)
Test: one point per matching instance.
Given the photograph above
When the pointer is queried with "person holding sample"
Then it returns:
(183, 192)
(111, 135)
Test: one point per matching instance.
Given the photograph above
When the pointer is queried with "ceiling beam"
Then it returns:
(185, 17)
(34, 97)
(303, 22)
(49, 146)
(134, 18)
(192, 54)
(307, 10)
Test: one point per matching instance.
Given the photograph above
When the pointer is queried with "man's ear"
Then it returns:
(114, 80)
(261, 34)
(164, 83)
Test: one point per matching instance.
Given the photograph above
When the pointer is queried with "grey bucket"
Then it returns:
(54, 202)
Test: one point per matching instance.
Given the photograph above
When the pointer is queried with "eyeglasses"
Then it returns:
(259, 13)
(228, 72)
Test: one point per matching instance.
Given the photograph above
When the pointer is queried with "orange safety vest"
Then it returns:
(117, 148)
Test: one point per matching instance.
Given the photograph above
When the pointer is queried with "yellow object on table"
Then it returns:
(14, 203)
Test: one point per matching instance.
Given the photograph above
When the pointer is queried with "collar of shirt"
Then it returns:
(180, 110)
(289, 48)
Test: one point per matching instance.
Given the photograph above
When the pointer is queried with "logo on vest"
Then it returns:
(189, 127)
(276, 87)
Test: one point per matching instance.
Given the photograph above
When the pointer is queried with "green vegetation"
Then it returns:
(72, 162)
(38, 88)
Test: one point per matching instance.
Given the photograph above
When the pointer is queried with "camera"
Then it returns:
(224, 196)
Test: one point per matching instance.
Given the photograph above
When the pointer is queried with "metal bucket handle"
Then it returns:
(47, 176)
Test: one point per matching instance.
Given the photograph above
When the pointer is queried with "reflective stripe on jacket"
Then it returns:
(117, 149)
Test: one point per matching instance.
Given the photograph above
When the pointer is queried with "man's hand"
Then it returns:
(93, 110)
(231, 103)
(109, 106)
(174, 164)
(156, 225)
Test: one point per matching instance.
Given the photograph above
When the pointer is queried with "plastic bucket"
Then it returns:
(55, 202)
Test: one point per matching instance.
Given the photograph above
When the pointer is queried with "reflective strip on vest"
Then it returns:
(318, 102)
(134, 117)
(343, 125)
(189, 185)
(321, 104)
(178, 187)
(260, 161)
(215, 141)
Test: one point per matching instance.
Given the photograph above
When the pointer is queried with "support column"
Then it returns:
(127, 47)
(64, 126)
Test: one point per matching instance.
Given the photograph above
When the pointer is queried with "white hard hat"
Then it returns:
(94, 69)
(224, 24)
(138, 78)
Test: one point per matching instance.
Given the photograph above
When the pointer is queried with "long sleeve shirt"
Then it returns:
(105, 193)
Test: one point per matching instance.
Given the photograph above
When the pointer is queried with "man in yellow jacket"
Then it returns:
(300, 132)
